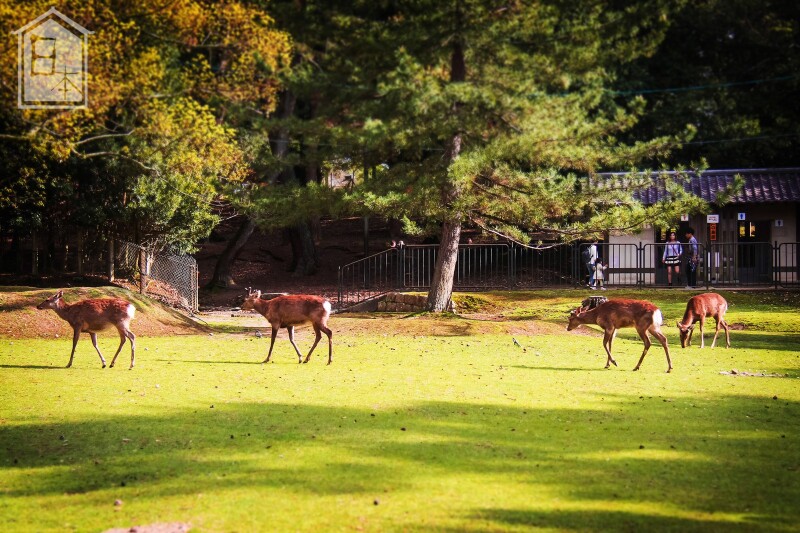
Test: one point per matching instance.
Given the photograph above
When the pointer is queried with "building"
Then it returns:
(752, 239)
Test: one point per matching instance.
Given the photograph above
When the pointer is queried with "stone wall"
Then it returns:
(396, 302)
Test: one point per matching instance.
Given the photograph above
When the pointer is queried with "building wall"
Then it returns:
(779, 225)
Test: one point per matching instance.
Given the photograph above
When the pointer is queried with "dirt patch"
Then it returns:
(19, 317)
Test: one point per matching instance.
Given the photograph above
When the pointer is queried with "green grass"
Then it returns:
(421, 423)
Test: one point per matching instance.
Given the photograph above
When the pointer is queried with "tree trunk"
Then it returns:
(304, 251)
(441, 290)
(444, 273)
(222, 271)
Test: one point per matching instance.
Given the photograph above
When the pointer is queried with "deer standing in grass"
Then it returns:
(698, 308)
(91, 316)
(290, 311)
(622, 313)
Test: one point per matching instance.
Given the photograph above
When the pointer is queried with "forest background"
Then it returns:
(493, 116)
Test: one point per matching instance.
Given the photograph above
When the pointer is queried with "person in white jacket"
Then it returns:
(599, 267)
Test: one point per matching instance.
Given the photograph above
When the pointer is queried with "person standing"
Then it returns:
(672, 257)
(599, 267)
(694, 259)
(591, 259)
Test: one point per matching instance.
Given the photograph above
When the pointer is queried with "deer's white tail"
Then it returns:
(658, 318)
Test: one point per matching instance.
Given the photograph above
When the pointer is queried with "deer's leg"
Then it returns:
(75, 336)
(646, 339)
(689, 335)
(290, 329)
(702, 336)
(94, 343)
(132, 338)
(272, 343)
(329, 333)
(663, 340)
(608, 339)
(122, 338)
(727, 333)
(316, 341)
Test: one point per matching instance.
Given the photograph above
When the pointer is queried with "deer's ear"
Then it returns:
(257, 294)
(59, 294)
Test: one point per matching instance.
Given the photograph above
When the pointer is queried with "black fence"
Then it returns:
(509, 267)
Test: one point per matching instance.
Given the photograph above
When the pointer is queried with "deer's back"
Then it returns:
(99, 313)
(297, 309)
(709, 304)
(624, 313)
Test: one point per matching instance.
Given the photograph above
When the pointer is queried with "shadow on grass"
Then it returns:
(631, 449)
(620, 521)
(39, 367)
(207, 362)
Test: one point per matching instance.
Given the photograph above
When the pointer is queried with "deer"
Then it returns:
(93, 315)
(623, 313)
(698, 308)
(293, 310)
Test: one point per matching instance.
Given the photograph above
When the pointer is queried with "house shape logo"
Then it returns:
(53, 63)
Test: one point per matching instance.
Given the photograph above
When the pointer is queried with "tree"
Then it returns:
(495, 115)
(166, 86)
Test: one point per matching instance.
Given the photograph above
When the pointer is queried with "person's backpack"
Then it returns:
(586, 255)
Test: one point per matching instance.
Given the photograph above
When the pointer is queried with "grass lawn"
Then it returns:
(420, 423)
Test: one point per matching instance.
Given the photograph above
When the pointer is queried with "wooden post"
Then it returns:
(142, 271)
(110, 260)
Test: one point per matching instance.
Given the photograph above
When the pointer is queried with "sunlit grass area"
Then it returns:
(420, 423)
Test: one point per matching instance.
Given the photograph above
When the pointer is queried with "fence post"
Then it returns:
(142, 271)
(776, 266)
(341, 288)
(512, 265)
(110, 260)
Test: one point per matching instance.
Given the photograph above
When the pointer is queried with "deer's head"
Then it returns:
(250, 299)
(685, 334)
(574, 317)
(52, 302)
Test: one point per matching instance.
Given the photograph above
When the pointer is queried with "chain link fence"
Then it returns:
(172, 278)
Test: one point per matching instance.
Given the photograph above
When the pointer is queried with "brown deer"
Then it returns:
(698, 308)
(91, 316)
(290, 311)
(623, 313)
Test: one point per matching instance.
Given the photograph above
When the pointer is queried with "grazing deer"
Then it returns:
(623, 313)
(91, 316)
(290, 311)
(698, 308)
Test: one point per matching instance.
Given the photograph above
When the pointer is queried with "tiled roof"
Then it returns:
(760, 185)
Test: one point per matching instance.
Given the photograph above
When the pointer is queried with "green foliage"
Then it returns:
(163, 83)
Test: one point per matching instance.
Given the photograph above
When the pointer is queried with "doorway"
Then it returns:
(754, 253)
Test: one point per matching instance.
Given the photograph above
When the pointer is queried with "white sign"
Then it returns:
(712, 219)
(742, 216)
(52, 60)
(684, 218)
(779, 223)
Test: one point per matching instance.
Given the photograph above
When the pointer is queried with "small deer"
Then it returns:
(290, 311)
(623, 313)
(91, 316)
(698, 308)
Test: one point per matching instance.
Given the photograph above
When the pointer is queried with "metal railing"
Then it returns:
(502, 266)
